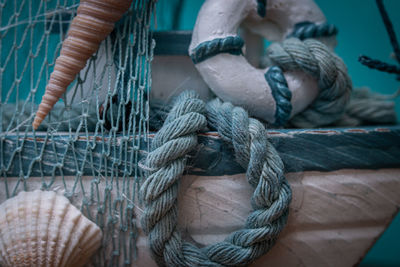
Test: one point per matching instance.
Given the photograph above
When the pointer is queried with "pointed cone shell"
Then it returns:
(93, 23)
(42, 228)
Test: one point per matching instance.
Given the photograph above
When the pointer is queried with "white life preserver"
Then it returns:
(226, 70)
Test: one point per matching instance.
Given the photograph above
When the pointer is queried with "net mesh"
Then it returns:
(89, 144)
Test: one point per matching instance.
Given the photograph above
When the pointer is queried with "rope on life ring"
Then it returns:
(308, 96)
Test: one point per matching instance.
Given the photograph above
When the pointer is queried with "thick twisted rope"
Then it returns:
(368, 108)
(166, 163)
(315, 59)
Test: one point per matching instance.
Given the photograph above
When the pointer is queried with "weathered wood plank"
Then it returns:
(334, 217)
(172, 42)
(301, 150)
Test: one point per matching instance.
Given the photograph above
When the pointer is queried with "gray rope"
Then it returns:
(281, 93)
(366, 108)
(315, 59)
(305, 30)
(166, 163)
(231, 44)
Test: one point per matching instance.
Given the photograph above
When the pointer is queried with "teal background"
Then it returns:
(361, 31)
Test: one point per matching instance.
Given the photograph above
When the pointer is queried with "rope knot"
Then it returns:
(165, 165)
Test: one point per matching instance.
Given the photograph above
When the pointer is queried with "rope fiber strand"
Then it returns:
(166, 163)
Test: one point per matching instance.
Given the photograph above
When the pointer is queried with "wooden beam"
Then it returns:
(301, 150)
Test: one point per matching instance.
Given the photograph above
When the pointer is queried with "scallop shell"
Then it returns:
(42, 228)
(93, 23)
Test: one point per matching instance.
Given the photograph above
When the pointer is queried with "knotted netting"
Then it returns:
(89, 144)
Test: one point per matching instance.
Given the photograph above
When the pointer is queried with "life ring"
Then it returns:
(216, 50)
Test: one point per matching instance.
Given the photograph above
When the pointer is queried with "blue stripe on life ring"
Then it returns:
(262, 8)
(304, 30)
(231, 44)
(281, 93)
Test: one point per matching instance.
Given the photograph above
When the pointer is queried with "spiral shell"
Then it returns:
(93, 23)
(42, 228)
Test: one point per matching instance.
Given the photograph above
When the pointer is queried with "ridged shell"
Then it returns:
(42, 228)
(93, 23)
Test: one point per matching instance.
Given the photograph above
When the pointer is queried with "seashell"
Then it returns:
(93, 23)
(42, 228)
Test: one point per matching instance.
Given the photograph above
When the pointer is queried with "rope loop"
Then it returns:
(166, 163)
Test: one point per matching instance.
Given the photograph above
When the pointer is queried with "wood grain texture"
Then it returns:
(335, 217)
(301, 150)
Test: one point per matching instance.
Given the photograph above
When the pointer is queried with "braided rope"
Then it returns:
(281, 93)
(315, 59)
(231, 44)
(305, 30)
(379, 65)
(166, 161)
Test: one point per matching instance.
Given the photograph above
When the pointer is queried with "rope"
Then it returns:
(262, 8)
(389, 28)
(379, 65)
(166, 163)
(281, 93)
(305, 30)
(368, 108)
(315, 59)
(231, 44)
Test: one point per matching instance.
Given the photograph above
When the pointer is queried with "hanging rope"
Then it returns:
(166, 163)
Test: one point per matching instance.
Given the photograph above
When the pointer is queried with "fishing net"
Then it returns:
(90, 143)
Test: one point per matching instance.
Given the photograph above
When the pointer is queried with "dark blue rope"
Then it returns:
(379, 65)
(305, 30)
(231, 44)
(389, 29)
(262, 8)
(281, 93)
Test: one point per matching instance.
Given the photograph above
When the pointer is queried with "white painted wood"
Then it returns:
(335, 217)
